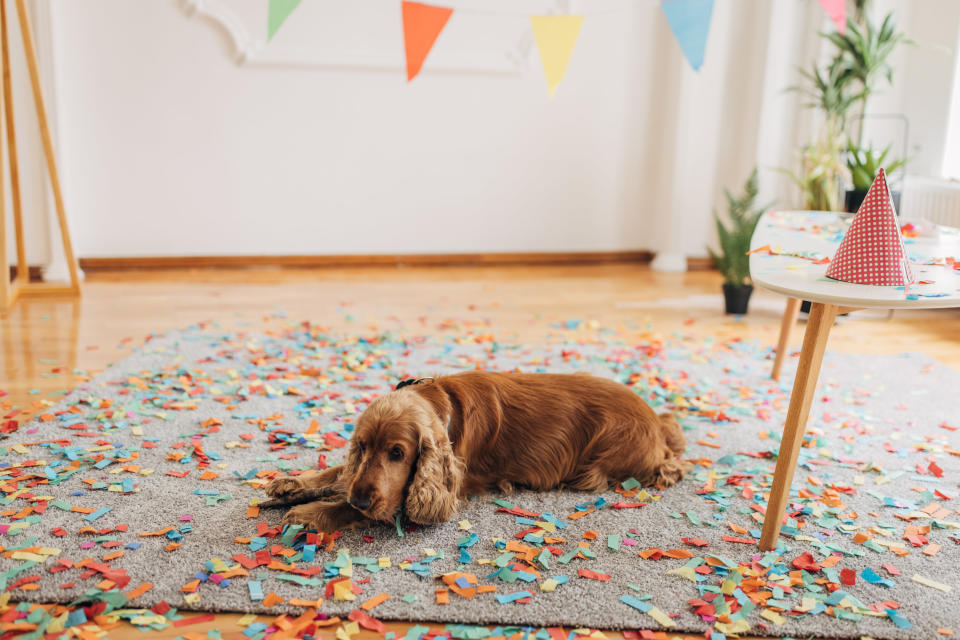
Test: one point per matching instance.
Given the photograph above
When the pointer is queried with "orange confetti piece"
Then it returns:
(271, 600)
(139, 591)
(374, 601)
(298, 602)
(443, 596)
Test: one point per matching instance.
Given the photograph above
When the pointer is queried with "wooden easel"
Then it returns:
(20, 285)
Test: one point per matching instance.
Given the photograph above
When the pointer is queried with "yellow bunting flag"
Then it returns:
(422, 23)
(555, 36)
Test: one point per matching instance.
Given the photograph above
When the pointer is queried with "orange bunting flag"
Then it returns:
(837, 10)
(422, 23)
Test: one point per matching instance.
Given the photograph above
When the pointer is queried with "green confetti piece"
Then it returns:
(613, 542)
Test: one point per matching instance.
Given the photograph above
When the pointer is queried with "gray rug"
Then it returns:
(880, 462)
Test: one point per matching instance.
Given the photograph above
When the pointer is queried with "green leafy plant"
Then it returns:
(864, 53)
(732, 259)
(864, 165)
(831, 91)
(844, 85)
(822, 173)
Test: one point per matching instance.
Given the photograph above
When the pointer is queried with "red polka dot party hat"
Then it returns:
(872, 251)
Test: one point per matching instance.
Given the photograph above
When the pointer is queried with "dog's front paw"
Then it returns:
(672, 472)
(284, 487)
(326, 517)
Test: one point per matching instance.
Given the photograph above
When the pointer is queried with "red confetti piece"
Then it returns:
(805, 561)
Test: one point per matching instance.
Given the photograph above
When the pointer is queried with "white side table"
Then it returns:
(798, 241)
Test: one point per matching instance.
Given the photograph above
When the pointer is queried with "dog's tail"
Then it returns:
(673, 433)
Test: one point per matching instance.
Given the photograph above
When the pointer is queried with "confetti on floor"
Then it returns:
(136, 497)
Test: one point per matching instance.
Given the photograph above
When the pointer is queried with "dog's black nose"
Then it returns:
(360, 501)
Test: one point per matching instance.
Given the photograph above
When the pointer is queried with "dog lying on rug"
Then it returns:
(433, 441)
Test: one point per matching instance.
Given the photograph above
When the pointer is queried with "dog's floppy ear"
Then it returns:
(432, 495)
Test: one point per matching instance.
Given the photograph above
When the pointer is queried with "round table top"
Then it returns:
(790, 252)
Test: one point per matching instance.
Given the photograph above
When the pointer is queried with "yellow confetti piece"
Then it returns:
(137, 431)
(773, 616)
(685, 572)
(343, 591)
(192, 598)
(661, 617)
(464, 525)
(548, 585)
(247, 620)
(730, 628)
(58, 623)
(384, 562)
(927, 582)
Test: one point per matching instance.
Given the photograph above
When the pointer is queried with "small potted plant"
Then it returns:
(864, 164)
(732, 259)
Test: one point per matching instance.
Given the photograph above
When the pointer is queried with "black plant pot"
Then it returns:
(854, 198)
(736, 297)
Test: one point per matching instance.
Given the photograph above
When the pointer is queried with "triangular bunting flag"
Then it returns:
(422, 23)
(277, 13)
(555, 36)
(837, 10)
(690, 22)
(872, 250)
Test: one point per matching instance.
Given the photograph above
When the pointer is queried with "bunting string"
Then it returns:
(555, 34)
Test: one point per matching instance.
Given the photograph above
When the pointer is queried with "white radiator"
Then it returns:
(932, 199)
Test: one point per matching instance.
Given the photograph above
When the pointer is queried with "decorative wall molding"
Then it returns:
(247, 31)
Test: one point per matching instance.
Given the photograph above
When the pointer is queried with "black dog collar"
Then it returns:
(410, 381)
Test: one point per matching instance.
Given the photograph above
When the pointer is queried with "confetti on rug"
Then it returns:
(136, 496)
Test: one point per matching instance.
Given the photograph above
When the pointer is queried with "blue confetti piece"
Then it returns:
(639, 605)
(99, 513)
(899, 620)
(506, 598)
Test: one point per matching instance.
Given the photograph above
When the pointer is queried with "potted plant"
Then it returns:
(732, 259)
(864, 53)
(860, 61)
(864, 164)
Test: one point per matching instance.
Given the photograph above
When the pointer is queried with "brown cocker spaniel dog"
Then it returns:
(433, 441)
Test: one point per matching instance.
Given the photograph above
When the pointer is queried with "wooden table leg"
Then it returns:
(786, 328)
(822, 317)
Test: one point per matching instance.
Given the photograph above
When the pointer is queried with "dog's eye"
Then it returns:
(396, 453)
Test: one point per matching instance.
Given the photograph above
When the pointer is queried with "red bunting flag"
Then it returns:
(422, 23)
(837, 10)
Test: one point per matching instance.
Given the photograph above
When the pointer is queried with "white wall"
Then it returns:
(170, 147)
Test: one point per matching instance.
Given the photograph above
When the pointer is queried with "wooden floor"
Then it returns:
(42, 342)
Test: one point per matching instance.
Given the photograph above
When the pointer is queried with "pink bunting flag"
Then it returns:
(837, 10)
